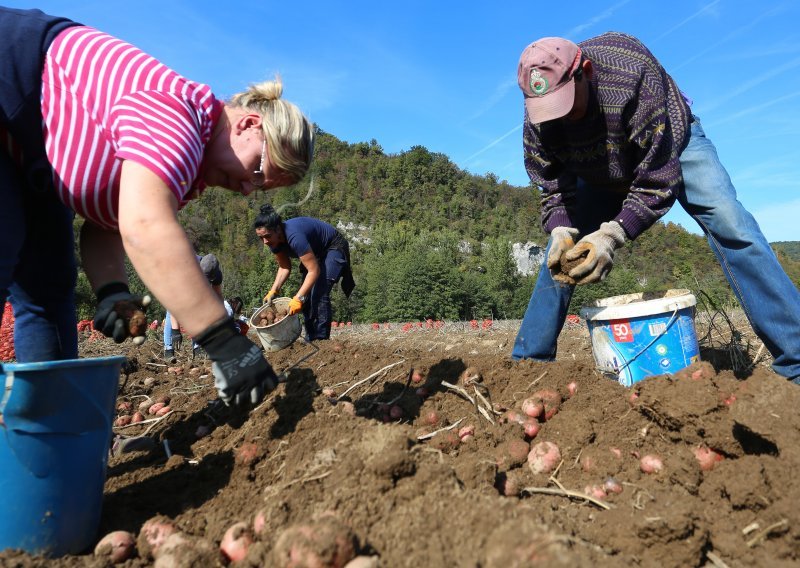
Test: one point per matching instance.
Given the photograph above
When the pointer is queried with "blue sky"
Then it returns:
(443, 74)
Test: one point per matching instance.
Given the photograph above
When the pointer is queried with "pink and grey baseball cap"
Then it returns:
(545, 75)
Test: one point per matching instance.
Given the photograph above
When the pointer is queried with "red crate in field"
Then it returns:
(7, 334)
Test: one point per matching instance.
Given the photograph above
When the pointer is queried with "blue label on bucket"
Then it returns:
(639, 347)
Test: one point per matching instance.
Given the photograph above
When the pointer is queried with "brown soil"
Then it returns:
(303, 457)
(561, 270)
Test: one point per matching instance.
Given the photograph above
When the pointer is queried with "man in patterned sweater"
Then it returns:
(611, 142)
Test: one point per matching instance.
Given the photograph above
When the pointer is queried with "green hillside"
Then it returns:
(428, 239)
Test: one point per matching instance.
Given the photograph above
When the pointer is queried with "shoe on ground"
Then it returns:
(169, 355)
(125, 445)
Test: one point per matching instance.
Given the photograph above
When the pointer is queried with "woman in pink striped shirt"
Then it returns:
(92, 125)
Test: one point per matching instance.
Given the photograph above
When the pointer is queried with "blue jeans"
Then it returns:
(317, 311)
(37, 268)
(769, 299)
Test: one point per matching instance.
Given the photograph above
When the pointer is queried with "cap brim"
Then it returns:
(555, 105)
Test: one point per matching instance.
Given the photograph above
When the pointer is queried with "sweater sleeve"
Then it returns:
(657, 176)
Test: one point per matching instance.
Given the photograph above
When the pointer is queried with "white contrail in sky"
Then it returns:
(702, 10)
(578, 30)
(494, 143)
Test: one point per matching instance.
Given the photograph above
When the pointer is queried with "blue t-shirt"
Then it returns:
(304, 234)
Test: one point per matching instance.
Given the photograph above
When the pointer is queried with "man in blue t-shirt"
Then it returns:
(324, 256)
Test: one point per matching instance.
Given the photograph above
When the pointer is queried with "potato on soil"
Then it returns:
(544, 457)
(707, 458)
(117, 546)
(551, 401)
(324, 543)
(512, 453)
(123, 420)
(248, 454)
(153, 534)
(651, 464)
(446, 441)
(236, 541)
(469, 376)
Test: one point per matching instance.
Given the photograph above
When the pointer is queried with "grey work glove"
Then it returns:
(598, 247)
(241, 374)
(177, 339)
(562, 239)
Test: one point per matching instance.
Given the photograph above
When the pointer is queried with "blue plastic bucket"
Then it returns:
(54, 444)
(640, 335)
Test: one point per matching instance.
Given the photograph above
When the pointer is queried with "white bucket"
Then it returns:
(280, 334)
(635, 336)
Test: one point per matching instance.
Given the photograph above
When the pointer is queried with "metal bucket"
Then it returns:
(280, 334)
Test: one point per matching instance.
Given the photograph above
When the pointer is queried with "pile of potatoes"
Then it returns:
(158, 407)
(324, 542)
(270, 315)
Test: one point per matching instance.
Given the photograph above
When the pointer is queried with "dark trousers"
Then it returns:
(317, 311)
(37, 251)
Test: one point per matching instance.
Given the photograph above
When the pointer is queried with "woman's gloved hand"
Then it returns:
(120, 314)
(241, 374)
(598, 247)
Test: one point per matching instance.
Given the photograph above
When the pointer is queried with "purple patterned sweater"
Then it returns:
(630, 140)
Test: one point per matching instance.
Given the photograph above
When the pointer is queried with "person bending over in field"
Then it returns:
(324, 259)
(173, 337)
(612, 143)
(92, 125)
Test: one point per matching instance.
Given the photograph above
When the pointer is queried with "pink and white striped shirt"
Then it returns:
(105, 101)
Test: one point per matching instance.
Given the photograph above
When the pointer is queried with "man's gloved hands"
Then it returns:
(270, 296)
(563, 239)
(295, 305)
(120, 314)
(177, 339)
(599, 249)
(241, 374)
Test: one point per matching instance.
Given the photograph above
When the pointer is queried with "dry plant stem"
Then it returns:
(464, 393)
(143, 422)
(405, 388)
(486, 402)
(763, 534)
(375, 374)
(567, 493)
(459, 390)
(306, 479)
(716, 560)
(432, 434)
(754, 526)
(537, 379)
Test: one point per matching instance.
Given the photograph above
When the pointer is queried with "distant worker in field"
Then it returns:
(324, 259)
(91, 124)
(173, 338)
(612, 143)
